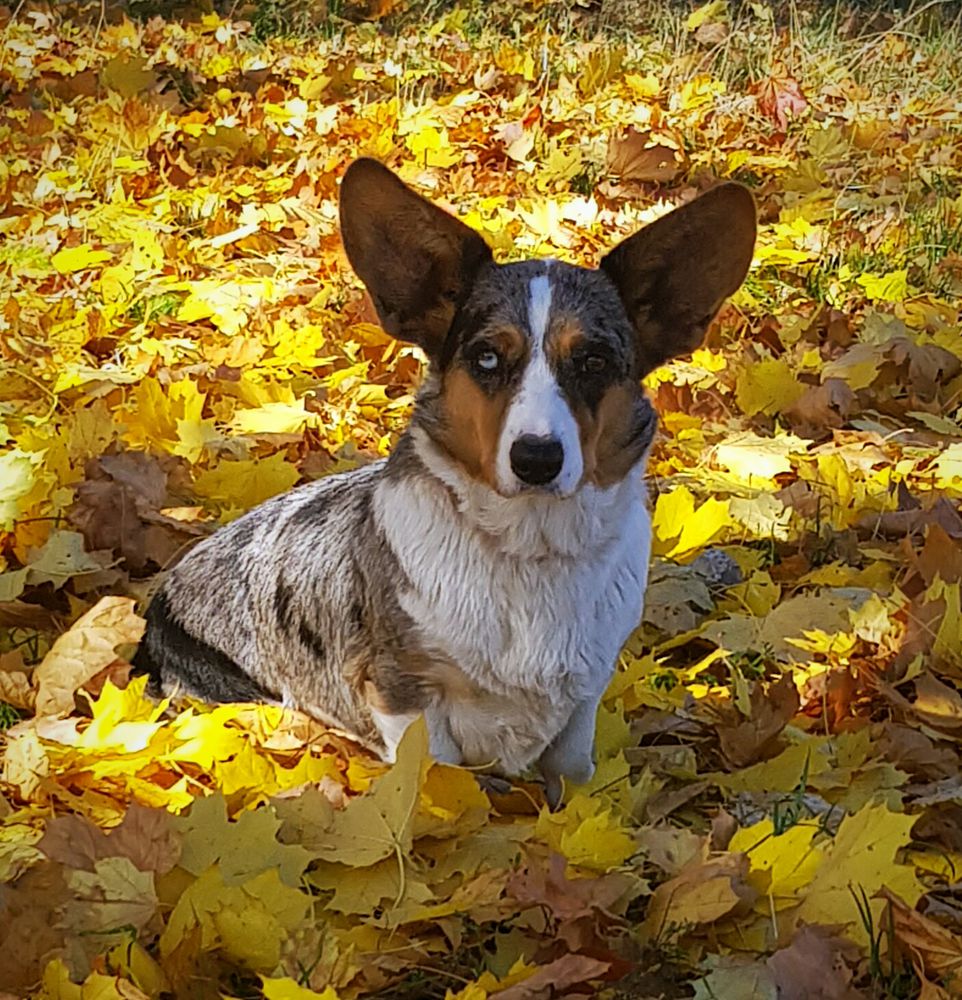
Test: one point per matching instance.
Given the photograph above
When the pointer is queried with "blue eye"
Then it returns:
(488, 361)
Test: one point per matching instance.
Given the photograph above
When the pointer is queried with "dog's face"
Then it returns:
(536, 367)
(537, 384)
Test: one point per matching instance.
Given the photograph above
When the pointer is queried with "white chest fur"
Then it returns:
(532, 597)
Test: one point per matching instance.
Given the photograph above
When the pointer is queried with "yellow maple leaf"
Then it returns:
(757, 459)
(147, 254)
(679, 528)
(781, 865)
(431, 147)
(79, 258)
(768, 386)
(246, 483)
(451, 802)
(286, 988)
(123, 717)
(860, 860)
(205, 737)
(890, 287)
(17, 479)
(710, 11)
(274, 418)
(250, 921)
(587, 833)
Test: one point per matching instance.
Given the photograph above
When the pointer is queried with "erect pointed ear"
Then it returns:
(673, 275)
(417, 261)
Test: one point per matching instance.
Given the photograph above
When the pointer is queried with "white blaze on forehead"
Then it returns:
(539, 408)
(539, 309)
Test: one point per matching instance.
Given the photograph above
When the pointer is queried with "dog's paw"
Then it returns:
(553, 790)
(493, 784)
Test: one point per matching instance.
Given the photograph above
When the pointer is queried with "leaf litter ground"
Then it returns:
(778, 804)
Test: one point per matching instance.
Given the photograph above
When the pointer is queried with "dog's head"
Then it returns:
(536, 366)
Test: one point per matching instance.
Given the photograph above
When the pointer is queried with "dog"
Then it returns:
(488, 572)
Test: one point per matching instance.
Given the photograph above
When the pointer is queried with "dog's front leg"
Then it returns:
(442, 744)
(571, 754)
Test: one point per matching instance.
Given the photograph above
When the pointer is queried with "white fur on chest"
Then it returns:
(531, 597)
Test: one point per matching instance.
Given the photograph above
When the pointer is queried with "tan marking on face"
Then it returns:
(472, 424)
(565, 336)
(510, 341)
(605, 434)
(472, 418)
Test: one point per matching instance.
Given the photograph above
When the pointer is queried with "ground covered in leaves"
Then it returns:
(778, 804)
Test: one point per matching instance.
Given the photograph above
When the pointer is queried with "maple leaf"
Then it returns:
(240, 849)
(780, 96)
(88, 647)
(860, 860)
(379, 824)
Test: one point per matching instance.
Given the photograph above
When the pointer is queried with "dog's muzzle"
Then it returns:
(535, 460)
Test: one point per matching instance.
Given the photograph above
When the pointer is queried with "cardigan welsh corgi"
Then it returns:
(487, 573)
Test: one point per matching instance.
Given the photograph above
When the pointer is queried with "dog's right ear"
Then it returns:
(416, 260)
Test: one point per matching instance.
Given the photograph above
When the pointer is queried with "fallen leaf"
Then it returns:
(88, 647)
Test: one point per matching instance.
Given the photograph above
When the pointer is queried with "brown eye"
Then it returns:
(594, 364)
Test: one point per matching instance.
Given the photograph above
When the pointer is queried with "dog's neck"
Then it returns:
(527, 526)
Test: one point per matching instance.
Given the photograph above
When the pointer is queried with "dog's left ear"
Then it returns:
(673, 275)
(416, 260)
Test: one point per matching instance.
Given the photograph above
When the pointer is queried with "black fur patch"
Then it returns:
(311, 516)
(244, 533)
(357, 616)
(283, 597)
(169, 654)
(311, 640)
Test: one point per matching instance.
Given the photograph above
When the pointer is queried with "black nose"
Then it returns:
(536, 460)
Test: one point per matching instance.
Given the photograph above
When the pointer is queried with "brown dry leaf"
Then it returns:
(932, 991)
(912, 519)
(940, 556)
(127, 74)
(746, 741)
(72, 841)
(16, 689)
(817, 965)
(704, 892)
(916, 752)
(554, 978)
(830, 695)
(119, 506)
(83, 651)
(780, 96)
(644, 156)
(934, 949)
(821, 408)
(937, 704)
(29, 926)
(671, 848)
(711, 33)
(146, 837)
(582, 907)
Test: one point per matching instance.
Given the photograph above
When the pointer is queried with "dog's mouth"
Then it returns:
(522, 490)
